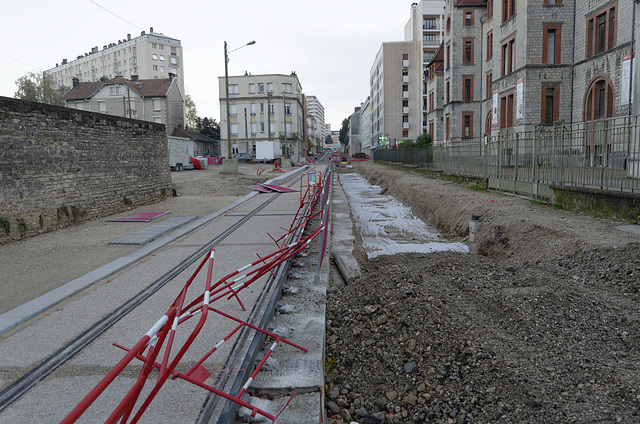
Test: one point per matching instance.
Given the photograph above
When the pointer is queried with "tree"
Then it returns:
(190, 113)
(424, 140)
(37, 87)
(209, 127)
(344, 132)
(328, 140)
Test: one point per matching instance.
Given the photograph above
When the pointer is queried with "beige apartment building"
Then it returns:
(267, 107)
(398, 78)
(149, 56)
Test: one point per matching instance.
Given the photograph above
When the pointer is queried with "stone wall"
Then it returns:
(59, 166)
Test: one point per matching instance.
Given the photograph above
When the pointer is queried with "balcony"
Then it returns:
(405, 78)
(405, 110)
(405, 94)
(405, 125)
(405, 63)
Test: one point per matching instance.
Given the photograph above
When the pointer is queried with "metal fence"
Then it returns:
(603, 154)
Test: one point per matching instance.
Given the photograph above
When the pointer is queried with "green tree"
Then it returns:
(208, 127)
(37, 87)
(344, 132)
(406, 143)
(190, 113)
(424, 140)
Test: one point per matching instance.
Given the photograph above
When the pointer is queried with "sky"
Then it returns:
(331, 45)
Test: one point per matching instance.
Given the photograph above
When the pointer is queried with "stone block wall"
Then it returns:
(59, 166)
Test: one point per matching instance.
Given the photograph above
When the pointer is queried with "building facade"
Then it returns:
(149, 56)
(261, 108)
(355, 136)
(398, 77)
(512, 65)
(365, 127)
(155, 100)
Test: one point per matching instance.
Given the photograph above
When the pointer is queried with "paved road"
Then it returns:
(27, 346)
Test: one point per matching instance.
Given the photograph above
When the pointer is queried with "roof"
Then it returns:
(145, 88)
(191, 135)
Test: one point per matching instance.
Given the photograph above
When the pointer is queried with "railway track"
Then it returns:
(14, 393)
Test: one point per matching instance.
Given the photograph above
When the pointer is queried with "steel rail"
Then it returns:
(17, 389)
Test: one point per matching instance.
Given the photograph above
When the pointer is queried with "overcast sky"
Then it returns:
(330, 44)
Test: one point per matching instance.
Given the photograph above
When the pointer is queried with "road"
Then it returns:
(259, 220)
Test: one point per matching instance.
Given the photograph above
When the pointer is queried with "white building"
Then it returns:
(261, 108)
(365, 127)
(149, 56)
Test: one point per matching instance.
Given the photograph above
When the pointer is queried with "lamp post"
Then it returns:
(226, 86)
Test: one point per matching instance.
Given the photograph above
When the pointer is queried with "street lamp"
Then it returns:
(226, 85)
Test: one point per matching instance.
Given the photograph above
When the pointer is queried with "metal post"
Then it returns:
(246, 132)
(226, 89)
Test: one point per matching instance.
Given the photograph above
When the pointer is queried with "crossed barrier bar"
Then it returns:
(156, 347)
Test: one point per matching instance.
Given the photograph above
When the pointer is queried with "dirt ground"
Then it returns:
(539, 324)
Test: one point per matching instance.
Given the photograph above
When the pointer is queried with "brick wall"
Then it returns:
(59, 166)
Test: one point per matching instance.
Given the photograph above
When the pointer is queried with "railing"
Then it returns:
(603, 154)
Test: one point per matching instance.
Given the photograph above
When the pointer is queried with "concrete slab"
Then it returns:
(154, 231)
(634, 229)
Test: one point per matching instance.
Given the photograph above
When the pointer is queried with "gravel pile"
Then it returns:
(544, 336)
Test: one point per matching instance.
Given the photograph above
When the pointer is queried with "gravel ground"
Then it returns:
(540, 324)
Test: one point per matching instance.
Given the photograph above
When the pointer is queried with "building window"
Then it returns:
(234, 89)
(405, 87)
(154, 56)
(448, 25)
(489, 45)
(552, 1)
(468, 18)
(429, 23)
(447, 87)
(508, 9)
(467, 84)
(271, 109)
(254, 128)
(551, 45)
(161, 57)
(489, 9)
(270, 87)
(599, 99)
(508, 56)
(487, 123)
(489, 84)
(252, 108)
(234, 129)
(287, 108)
(102, 106)
(506, 111)
(447, 55)
(431, 126)
(233, 110)
(467, 128)
(287, 88)
(156, 105)
(260, 87)
(550, 111)
(468, 51)
(447, 127)
(601, 31)
(252, 88)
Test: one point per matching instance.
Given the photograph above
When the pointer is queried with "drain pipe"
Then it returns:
(573, 62)
(474, 227)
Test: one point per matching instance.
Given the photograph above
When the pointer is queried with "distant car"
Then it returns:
(242, 157)
(360, 156)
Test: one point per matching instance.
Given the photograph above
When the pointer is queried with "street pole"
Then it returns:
(269, 116)
(246, 131)
(226, 88)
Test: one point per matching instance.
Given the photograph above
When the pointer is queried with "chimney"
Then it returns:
(141, 32)
(104, 47)
(64, 61)
(134, 77)
(128, 37)
(171, 76)
(76, 82)
(151, 30)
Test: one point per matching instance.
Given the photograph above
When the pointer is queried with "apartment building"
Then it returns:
(398, 77)
(264, 107)
(368, 142)
(315, 113)
(512, 65)
(150, 56)
(155, 100)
